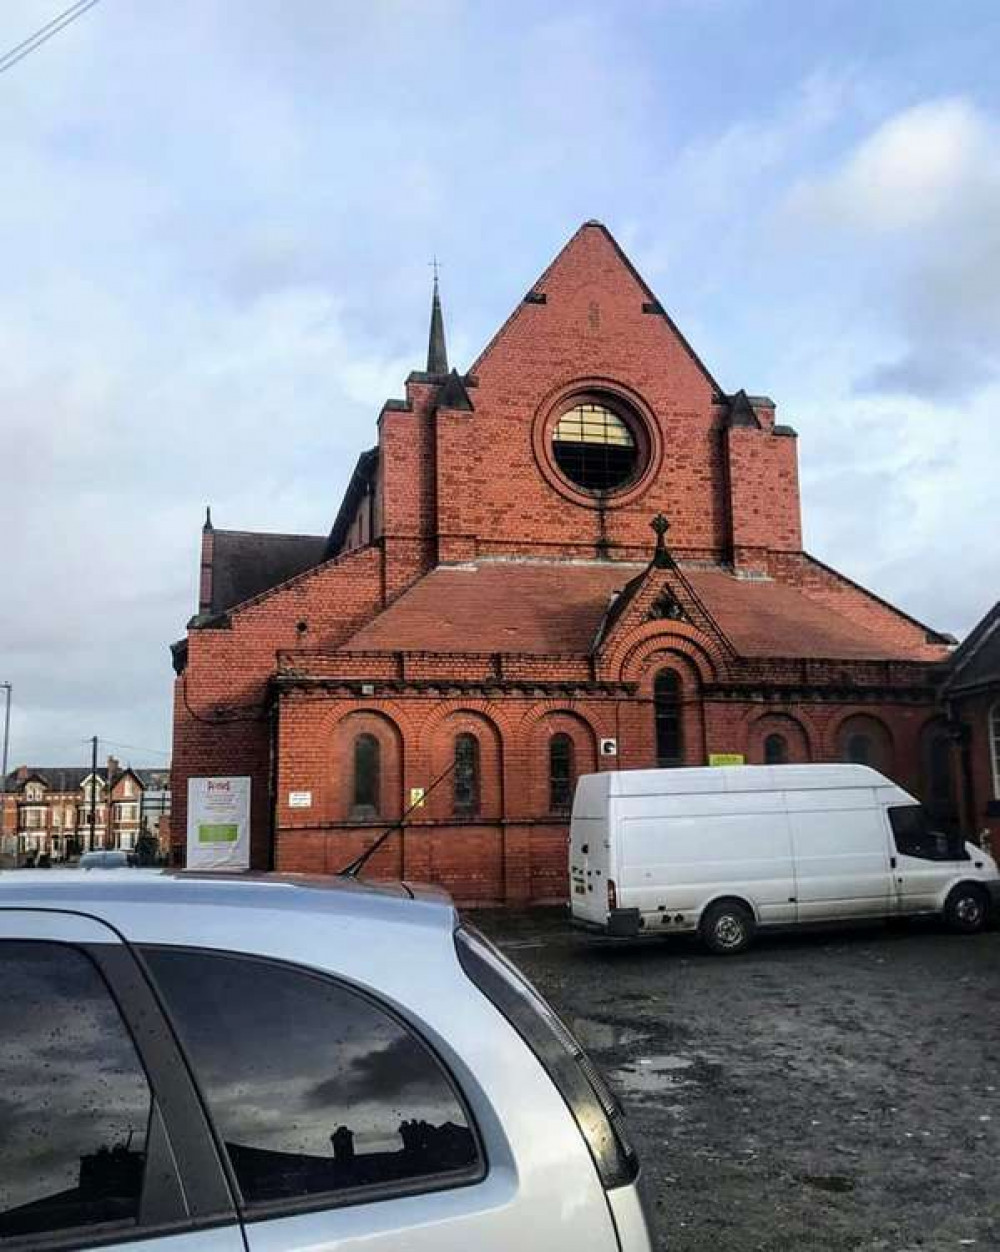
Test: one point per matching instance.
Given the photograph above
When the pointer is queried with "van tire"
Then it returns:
(967, 909)
(727, 928)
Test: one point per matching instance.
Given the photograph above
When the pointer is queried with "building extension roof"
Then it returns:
(540, 607)
(362, 482)
(975, 663)
(246, 563)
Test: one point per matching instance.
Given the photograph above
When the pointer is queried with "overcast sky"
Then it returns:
(216, 218)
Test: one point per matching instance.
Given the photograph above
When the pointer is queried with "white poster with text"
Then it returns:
(218, 824)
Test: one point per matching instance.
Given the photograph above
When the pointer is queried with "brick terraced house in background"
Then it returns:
(47, 808)
(581, 554)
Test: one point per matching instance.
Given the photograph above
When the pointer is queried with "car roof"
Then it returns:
(103, 893)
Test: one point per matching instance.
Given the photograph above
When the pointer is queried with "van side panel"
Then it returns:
(841, 855)
(677, 853)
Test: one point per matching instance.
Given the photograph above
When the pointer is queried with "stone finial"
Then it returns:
(661, 557)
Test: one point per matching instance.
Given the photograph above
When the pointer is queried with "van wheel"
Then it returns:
(966, 910)
(727, 928)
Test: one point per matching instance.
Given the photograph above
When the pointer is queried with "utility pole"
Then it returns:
(93, 791)
(5, 687)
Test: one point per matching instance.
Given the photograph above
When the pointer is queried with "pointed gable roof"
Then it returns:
(591, 249)
(660, 592)
(453, 395)
(741, 411)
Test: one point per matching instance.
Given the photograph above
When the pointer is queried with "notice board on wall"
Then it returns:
(218, 823)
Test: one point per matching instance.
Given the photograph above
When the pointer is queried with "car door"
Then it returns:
(924, 860)
(103, 1139)
(344, 1129)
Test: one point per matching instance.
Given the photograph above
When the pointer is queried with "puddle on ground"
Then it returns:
(651, 1075)
(597, 1036)
(837, 1183)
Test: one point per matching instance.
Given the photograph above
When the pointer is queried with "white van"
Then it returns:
(724, 850)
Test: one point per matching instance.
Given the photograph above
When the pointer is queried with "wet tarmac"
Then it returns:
(836, 1091)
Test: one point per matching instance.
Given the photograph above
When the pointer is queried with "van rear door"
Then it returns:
(589, 854)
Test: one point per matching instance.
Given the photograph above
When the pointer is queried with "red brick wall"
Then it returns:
(974, 712)
(515, 849)
(221, 722)
(763, 479)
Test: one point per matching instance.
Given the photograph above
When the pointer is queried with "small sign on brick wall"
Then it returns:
(726, 758)
(300, 799)
(417, 797)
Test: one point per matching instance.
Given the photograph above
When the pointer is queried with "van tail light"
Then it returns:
(597, 1113)
(612, 895)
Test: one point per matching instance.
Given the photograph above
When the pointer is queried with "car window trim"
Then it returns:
(204, 1182)
(428, 1184)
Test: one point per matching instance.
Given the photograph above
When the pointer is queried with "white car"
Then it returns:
(260, 1064)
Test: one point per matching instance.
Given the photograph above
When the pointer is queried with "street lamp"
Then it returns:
(6, 688)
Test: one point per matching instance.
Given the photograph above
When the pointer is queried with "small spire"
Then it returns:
(437, 353)
(208, 518)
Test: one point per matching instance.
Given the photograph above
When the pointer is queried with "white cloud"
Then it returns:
(911, 216)
(918, 168)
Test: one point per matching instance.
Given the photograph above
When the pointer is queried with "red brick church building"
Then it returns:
(582, 553)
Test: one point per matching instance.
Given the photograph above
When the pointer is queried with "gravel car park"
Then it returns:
(825, 1091)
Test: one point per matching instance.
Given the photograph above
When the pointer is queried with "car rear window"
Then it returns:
(319, 1093)
(74, 1099)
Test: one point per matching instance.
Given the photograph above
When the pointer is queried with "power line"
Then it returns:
(44, 33)
(133, 747)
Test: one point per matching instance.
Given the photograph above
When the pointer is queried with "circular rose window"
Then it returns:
(596, 448)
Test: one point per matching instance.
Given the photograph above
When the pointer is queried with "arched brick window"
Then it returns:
(465, 778)
(775, 750)
(995, 747)
(667, 718)
(562, 773)
(864, 740)
(365, 801)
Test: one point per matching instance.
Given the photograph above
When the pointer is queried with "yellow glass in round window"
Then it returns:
(594, 448)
